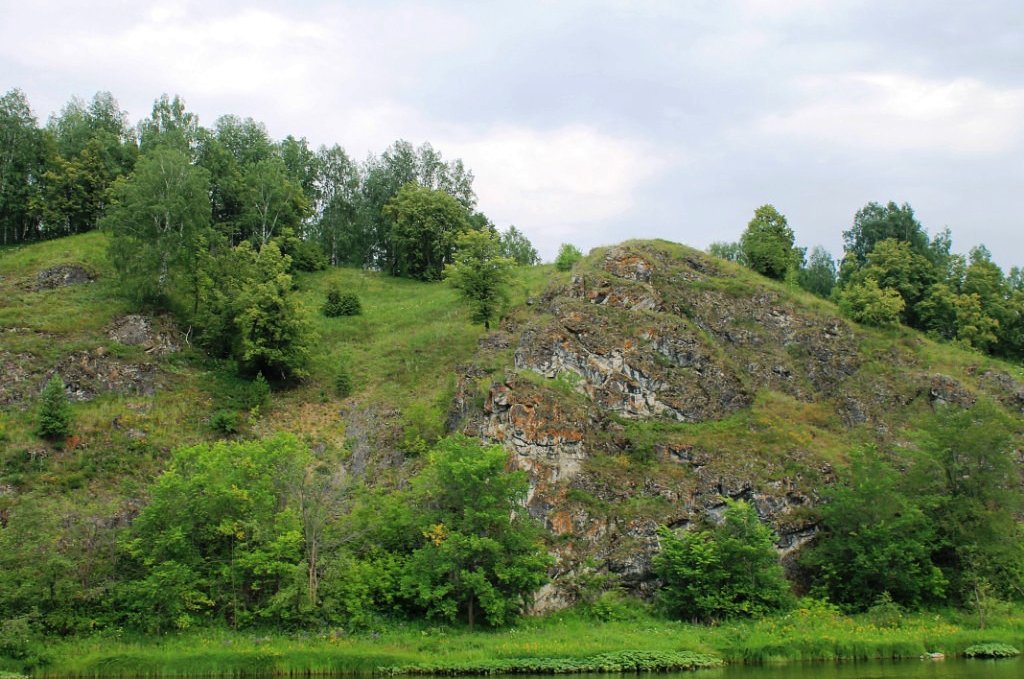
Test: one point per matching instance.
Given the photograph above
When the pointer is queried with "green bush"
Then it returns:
(20, 641)
(618, 662)
(225, 422)
(870, 304)
(255, 394)
(885, 612)
(54, 418)
(991, 650)
(614, 606)
(730, 570)
(306, 255)
(568, 255)
(341, 304)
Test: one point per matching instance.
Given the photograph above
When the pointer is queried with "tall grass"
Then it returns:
(565, 641)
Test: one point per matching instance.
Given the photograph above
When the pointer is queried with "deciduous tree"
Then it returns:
(425, 226)
(480, 273)
(479, 553)
(728, 570)
(767, 244)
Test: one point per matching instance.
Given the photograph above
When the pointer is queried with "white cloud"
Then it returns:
(556, 184)
(894, 112)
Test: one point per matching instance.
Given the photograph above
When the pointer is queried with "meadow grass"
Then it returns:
(559, 643)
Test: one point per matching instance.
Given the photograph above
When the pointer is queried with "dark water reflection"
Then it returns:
(904, 669)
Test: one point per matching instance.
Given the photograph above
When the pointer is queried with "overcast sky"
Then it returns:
(593, 122)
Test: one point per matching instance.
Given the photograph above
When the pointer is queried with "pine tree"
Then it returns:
(54, 420)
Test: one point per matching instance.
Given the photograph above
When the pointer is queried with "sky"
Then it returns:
(594, 122)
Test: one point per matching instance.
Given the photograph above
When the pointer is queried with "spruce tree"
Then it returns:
(54, 420)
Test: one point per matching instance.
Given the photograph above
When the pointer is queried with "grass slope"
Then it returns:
(402, 353)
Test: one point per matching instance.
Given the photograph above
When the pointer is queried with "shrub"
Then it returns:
(568, 255)
(54, 418)
(306, 255)
(730, 570)
(870, 304)
(341, 304)
(225, 422)
(991, 650)
(885, 612)
(255, 394)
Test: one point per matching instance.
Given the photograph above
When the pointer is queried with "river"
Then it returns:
(904, 669)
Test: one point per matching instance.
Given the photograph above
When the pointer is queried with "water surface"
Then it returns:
(903, 669)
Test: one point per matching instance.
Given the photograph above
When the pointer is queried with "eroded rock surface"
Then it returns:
(157, 336)
(62, 275)
(87, 374)
(651, 336)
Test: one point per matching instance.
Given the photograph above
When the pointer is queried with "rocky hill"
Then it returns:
(659, 381)
(644, 388)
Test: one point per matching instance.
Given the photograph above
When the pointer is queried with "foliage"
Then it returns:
(383, 178)
(53, 419)
(225, 422)
(23, 157)
(617, 663)
(158, 224)
(341, 304)
(727, 571)
(478, 553)
(306, 255)
(336, 209)
(867, 303)
(272, 205)
(481, 274)
(819, 275)
(875, 223)
(568, 255)
(217, 538)
(896, 267)
(767, 244)
(975, 489)
(731, 252)
(876, 540)
(18, 636)
(991, 650)
(170, 125)
(425, 226)
(256, 393)
(274, 334)
(517, 247)
(93, 146)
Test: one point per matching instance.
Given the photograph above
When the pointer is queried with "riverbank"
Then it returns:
(556, 644)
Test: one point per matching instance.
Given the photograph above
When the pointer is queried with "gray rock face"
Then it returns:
(647, 338)
(63, 275)
(156, 337)
(87, 374)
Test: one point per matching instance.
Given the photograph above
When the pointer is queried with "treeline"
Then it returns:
(268, 533)
(893, 272)
(212, 223)
(56, 180)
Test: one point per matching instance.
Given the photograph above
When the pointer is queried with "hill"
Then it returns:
(643, 389)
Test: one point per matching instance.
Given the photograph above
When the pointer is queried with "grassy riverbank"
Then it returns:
(557, 644)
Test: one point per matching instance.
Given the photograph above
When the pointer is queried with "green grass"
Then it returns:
(402, 352)
(565, 642)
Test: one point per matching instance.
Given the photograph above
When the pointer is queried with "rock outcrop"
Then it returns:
(660, 382)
